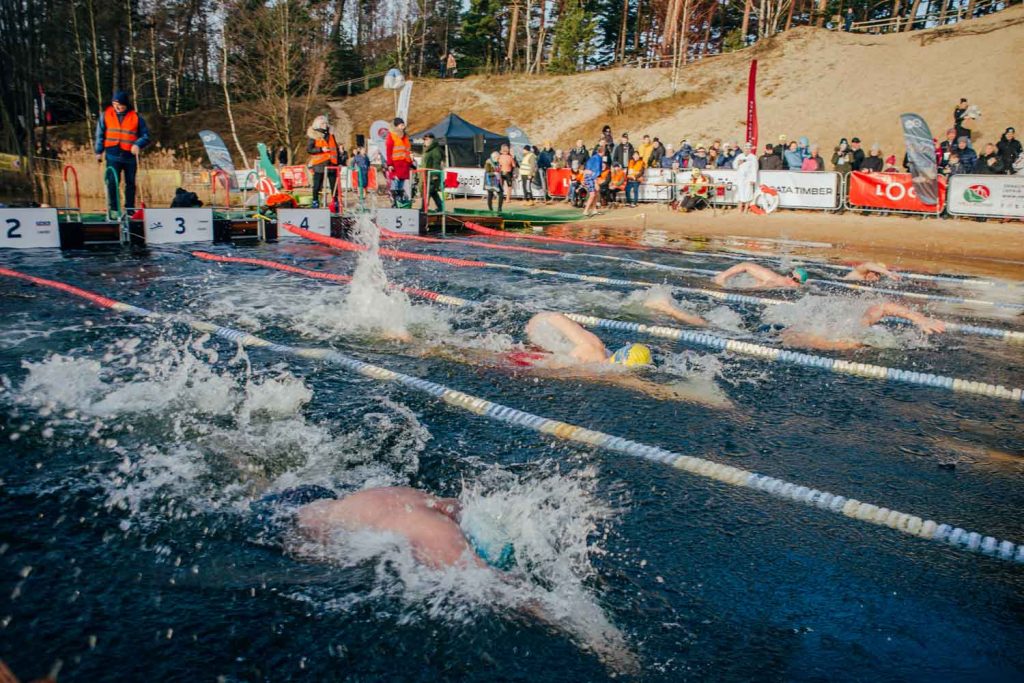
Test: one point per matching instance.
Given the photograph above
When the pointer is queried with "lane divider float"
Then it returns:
(503, 234)
(697, 338)
(728, 297)
(905, 523)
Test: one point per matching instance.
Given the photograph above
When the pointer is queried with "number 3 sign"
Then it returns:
(171, 226)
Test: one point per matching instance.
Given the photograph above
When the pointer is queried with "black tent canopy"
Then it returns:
(461, 140)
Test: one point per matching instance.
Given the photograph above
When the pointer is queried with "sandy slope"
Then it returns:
(813, 82)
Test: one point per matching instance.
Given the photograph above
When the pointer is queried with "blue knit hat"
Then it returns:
(121, 97)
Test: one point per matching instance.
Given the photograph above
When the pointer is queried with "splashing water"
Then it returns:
(554, 521)
(839, 318)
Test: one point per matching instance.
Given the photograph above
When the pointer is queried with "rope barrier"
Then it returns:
(911, 525)
(728, 297)
(919, 295)
(491, 232)
(777, 355)
(334, 277)
(769, 353)
(390, 234)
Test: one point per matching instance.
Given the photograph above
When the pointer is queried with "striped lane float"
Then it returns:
(851, 508)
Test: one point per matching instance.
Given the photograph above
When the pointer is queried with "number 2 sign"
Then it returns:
(29, 228)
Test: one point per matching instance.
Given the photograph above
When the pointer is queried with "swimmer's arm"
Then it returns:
(887, 309)
(861, 271)
(812, 341)
(732, 272)
(673, 311)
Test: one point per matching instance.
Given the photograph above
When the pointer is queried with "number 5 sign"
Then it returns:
(171, 226)
(399, 220)
(29, 228)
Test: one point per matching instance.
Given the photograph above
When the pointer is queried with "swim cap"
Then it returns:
(800, 275)
(632, 356)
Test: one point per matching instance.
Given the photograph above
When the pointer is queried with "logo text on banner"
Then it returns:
(29, 228)
(171, 226)
(987, 195)
(470, 182)
(892, 191)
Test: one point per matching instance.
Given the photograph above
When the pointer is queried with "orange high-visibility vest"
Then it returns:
(636, 169)
(122, 133)
(328, 151)
(400, 149)
(618, 180)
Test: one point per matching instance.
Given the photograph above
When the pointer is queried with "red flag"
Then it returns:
(752, 104)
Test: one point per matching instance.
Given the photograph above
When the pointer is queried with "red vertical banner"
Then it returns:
(752, 104)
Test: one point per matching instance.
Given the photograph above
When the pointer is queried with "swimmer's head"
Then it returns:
(800, 275)
(632, 356)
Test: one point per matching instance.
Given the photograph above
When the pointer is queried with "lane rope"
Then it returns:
(911, 525)
(392, 235)
(728, 297)
(697, 338)
(503, 234)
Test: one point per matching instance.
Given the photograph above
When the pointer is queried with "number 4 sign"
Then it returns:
(29, 228)
(171, 226)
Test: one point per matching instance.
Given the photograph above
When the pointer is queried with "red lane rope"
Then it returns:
(392, 253)
(491, 232)
(305, 272)
(384, 232)
(95, 298)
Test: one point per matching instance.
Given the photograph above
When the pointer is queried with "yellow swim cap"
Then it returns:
(632, 356)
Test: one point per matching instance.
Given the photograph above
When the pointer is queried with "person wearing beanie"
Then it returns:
(890, 165)
(1009, 149)
(120, 134)
(399, 161)
(322, 147)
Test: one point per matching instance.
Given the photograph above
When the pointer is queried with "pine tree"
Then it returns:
(573, 40)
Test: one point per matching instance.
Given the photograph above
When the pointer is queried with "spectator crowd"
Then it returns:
(615, 167)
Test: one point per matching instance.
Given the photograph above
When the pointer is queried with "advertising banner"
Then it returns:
(470, 181)
(798, 190)
(921, 155)
(725, 181)
(298, 176)
(657, 185)
(987, 195)
(889, 191)
(558, 181)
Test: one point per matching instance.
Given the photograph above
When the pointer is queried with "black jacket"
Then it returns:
(619, 151)
(858, 159)
(989, 164)
(578, 154)
(873, 164)
(770, 162)
(1009, 150)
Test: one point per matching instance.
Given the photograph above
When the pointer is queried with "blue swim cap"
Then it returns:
(501, 557)
(800, 275)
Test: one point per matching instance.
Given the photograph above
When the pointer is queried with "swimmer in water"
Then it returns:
(769, 279)
(659, 301)
(809, 340)
(431, 527)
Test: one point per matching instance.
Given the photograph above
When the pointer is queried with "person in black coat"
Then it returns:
(858, 154)
(623, 152)
(1009, 149)
(873, 162)
(770, 161)
(989, 163)
(578, 155)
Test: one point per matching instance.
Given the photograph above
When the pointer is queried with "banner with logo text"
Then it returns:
(987, 195)
(889, 191)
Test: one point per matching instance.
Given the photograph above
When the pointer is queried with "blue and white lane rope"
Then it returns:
(777, 355)
(818, 281)
(920, 295)
(908, 524)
